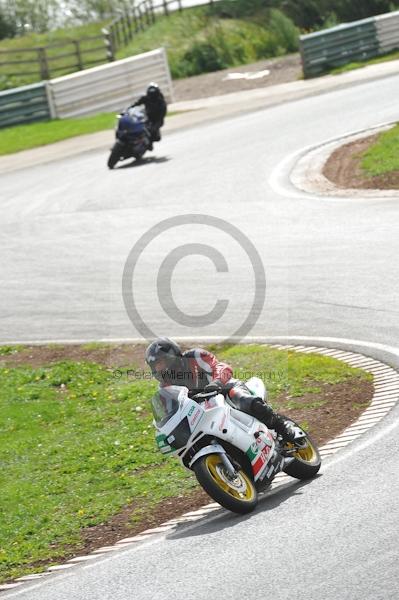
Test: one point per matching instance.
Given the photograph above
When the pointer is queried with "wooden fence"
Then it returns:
(45, 62)
(138, 17)
(55, 60)
(108, 87)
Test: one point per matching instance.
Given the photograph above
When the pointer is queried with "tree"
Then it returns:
(347, 10)
(307, 14)
(7, 27)
(34, 15)
(86, 11)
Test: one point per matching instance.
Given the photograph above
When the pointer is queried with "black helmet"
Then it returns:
(153, 90)
(164, 355)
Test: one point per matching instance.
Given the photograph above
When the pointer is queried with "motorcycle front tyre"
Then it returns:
(239, 496)
(116, 154)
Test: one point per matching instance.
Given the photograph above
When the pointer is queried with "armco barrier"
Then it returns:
(24, 105)
(110, 87)
(388, 31)
(359, 40)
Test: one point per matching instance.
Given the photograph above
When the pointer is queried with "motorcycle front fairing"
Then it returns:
(182, 423)
(175, 417)
(131, 127)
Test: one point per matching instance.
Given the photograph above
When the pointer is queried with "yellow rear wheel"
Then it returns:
(308, 454)
(307, 460)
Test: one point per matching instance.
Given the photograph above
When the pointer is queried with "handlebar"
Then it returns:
(204, 395)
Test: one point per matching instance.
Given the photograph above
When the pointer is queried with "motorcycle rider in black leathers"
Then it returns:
(200, 371)
(156, 107)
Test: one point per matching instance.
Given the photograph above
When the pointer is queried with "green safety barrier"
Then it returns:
(338, 46)
(24, 105)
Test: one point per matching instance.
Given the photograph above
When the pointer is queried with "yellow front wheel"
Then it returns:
(237, 494)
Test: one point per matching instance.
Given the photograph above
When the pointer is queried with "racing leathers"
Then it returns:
(201, 371)
(156, 108)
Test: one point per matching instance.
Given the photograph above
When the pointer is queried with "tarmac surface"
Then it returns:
(331, 266)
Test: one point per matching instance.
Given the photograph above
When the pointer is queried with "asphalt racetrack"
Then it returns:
(331, 268)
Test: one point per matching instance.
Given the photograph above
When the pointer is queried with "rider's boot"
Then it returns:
(273, 420)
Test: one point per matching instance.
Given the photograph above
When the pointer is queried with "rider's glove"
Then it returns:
(214, 386)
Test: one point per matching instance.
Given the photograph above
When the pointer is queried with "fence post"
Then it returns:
(165, 7)
(147, 13)
(108, 44)
(141, 26)
(180, 6)
(135, 20)
(43, 63)
(118, 34)
(78, 54)
(129, 25)
(124, 31)
(152, 11)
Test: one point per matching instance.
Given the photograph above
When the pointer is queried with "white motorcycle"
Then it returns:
(233, 455)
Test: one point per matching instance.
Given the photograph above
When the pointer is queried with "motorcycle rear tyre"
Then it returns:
(306, 463)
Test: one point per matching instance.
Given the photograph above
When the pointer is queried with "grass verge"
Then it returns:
(24, 137)
(365, 63)
(383, 156)
(78, 444)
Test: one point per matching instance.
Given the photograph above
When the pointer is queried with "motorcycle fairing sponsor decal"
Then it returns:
(162, 443)
(259, 454)
(195, 418)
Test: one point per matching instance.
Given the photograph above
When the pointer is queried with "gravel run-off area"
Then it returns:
(282, 70)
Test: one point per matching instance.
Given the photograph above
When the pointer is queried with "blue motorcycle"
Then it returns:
(133, 136)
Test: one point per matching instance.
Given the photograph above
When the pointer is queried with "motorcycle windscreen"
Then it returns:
(167, 402)
(130, 127)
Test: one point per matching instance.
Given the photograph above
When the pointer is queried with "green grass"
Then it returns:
(52, 37)
(32, 135)
(364, 63)
(383, 156)
(78, 445)
(5, 350)
(283, 371)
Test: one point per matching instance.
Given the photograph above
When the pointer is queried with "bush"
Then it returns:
(230, 42)
(203, 57)
(286, 33)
